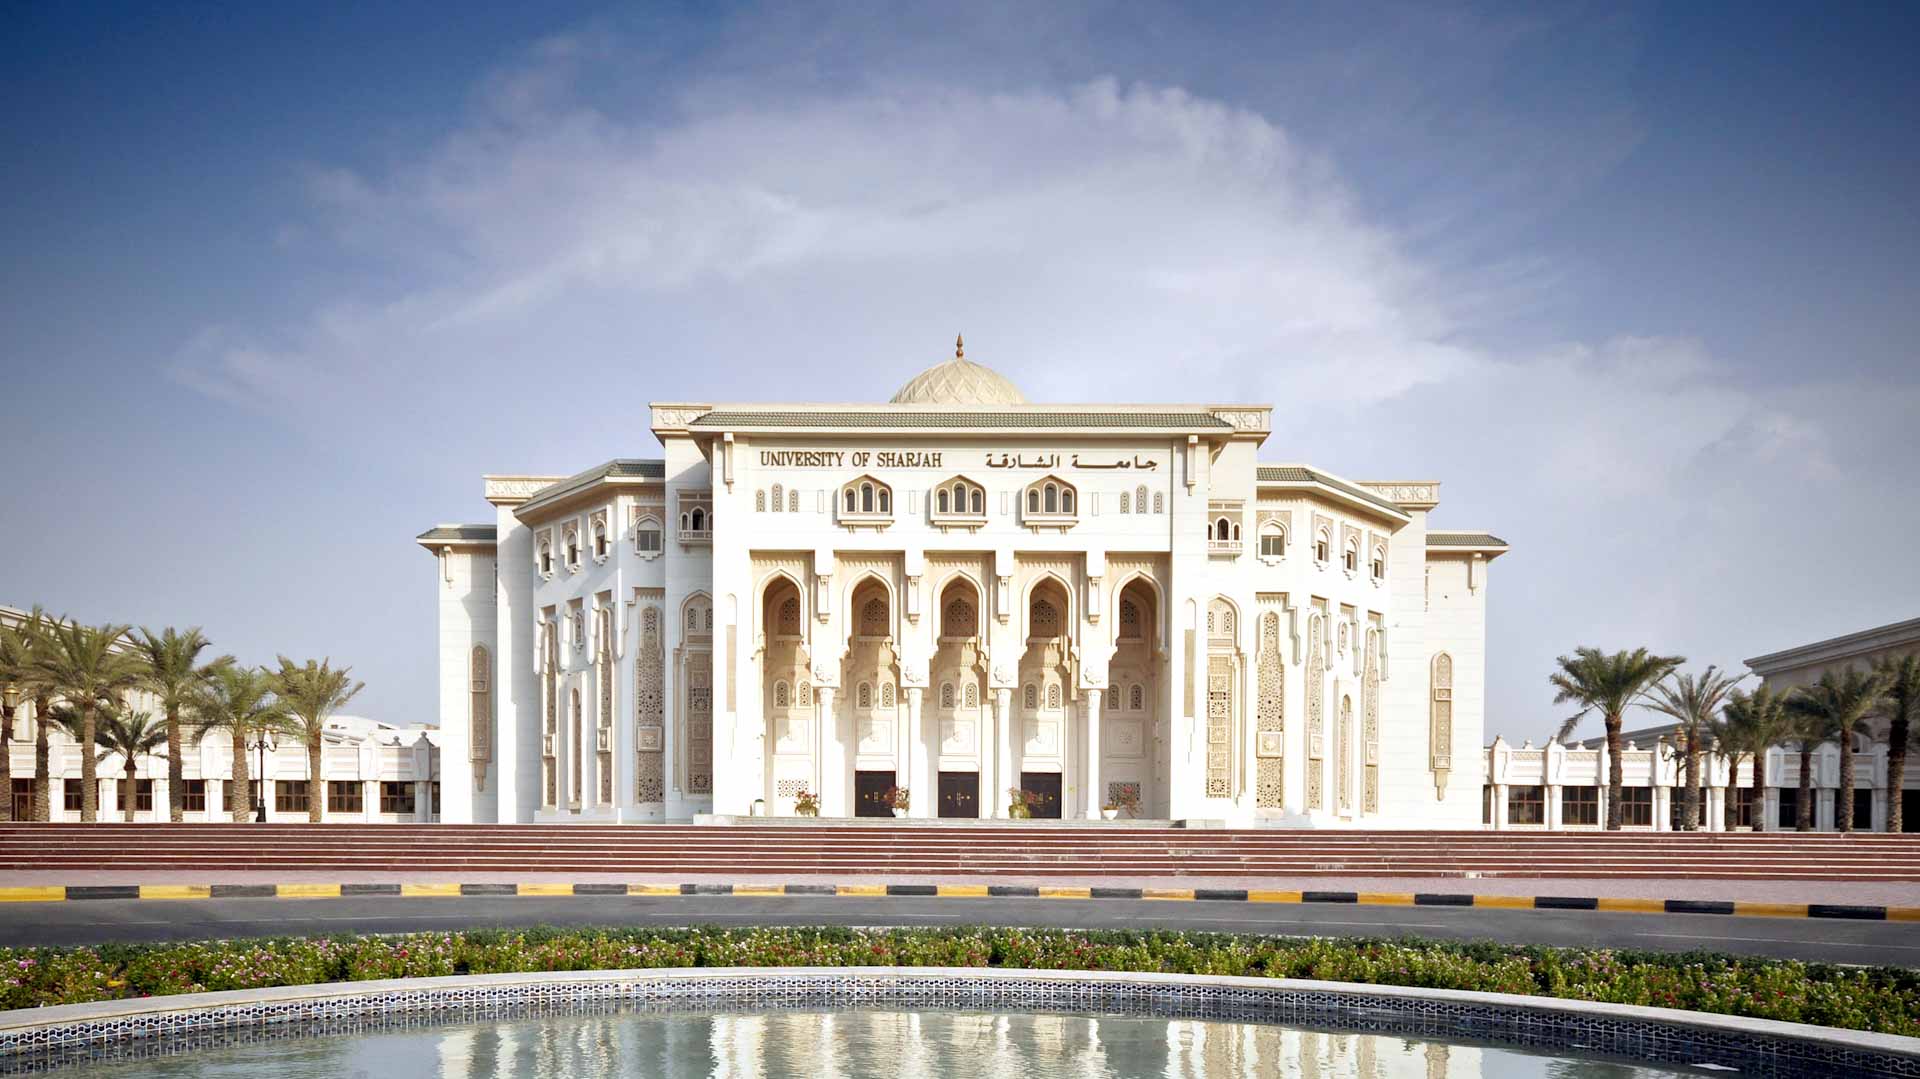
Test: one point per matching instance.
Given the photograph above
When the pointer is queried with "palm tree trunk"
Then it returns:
(127, 788)
(1616, 775)
(176, 770)
(89, 771)
(1758, 789)
(1729, 804)
(1803, 810)
(42, 764)
(314, 784)
(242, 782)
(1843, 813)
(1897, 735)
(6, 760)
(1690, 800)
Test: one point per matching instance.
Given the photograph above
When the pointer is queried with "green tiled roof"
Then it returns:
(619, 468)
(1464, 539)
(1176, 421)
(1296, 474)
(459, 534)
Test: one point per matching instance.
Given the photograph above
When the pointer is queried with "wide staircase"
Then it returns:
(672, 851)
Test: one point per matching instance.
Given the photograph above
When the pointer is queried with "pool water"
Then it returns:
(891, 1044)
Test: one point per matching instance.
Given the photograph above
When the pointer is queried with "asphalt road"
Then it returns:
(98, 921)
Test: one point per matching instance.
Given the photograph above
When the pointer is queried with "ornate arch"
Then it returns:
(1119, 590)
(1069, 618)
(766, 586)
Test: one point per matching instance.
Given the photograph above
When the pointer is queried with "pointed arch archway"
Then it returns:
(958, 702)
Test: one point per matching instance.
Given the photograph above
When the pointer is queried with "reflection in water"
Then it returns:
(895, 1045)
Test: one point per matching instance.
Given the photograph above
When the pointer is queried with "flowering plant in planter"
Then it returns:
(1020, 803)
(896, 798)
(1127, 800)
(806, 804)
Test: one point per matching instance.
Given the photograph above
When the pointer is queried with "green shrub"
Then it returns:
(1883, 999)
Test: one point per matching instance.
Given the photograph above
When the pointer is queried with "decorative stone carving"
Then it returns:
(1440, 732)
(603, 721)
(1343, 755)
(1270, 722)
(480, 715)
(1370, 726)
(1316, 709)
(1222, 707)
(550, 719)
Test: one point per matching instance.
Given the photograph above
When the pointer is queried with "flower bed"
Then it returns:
(1885, 999)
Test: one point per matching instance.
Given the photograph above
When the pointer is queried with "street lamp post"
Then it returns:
(264, 745)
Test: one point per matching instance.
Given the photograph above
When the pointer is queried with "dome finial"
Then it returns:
(959, 347)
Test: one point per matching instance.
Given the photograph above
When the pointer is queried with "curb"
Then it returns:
(83, 892)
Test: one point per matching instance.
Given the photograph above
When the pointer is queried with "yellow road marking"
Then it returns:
(861, 889)
(1775, 910)
(653, 889)
(1633, 906)
(1273, 897)
(1066, 893)
(175, 891)
(1504, 902)
(968, 891)
(1387, 899)
(441, 890)
(331, 891)
(546, 888)
(1166, 893)
(759, 889)
(1903, 914)
(42, 894)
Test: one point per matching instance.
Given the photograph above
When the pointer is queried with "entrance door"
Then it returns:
(870, 794)
(1909, 810)
(1047, 786)
(960, 794)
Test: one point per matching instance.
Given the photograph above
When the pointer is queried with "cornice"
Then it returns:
(1835, 649)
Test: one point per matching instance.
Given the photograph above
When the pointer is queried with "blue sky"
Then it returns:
(1635, 282)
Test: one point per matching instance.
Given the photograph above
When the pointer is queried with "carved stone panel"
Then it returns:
(1270, 723)
(1316, 710)
(1370, 726)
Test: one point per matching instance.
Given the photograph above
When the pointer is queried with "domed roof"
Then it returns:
(959, 381)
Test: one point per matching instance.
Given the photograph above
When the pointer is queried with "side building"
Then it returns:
(1098, 609)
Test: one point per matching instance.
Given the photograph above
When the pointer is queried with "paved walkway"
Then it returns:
(1870, 893)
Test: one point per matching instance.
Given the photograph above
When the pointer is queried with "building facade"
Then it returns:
(374, 772)
(961, 594)
(1564, 787)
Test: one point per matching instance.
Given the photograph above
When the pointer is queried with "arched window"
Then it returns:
(1126, 502)
(866, 498)
(787, 623)
(863, 696)
(646, 536)
(941, 502)
(600, 541)
(546, 559)
(972, 695)
(886, 500)
(793, 501)
(1053, 695)
(1322, 546)
(1351, 556)
(699, 519)
(1052, 498)
(693, 618)
(1129, 620)
(873, 618)
(1159, 504)
(1031, 697)
(957, 619)
(759, 501)
(806, 695)
(1033, 501)
(1273, 542)
(959, 496)
(886, 694)
(780, 695)
(573, 549)
(977, 501)
(1043, 619)
(1221, 531)
(946, 694)
(1137, 697)
(1140, 499)
(852, 505)
(779, 501)
(1379, 563)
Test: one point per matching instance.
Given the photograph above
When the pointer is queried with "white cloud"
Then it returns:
(559, 265)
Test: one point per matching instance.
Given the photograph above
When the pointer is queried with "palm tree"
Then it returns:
(31, 635)
(1836, 707)
(1749, 725)
(311, 692)
(174, 679)
(132, 735)
(1607, 684)
(1901, 707)
(239, 701)
(1692, 701)
(87, 666)
(13, 668)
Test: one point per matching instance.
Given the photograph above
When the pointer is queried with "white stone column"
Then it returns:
(1500, 806)
(1004, 777)
(1095, 797)
(1551, 797)
(912, 765)
(831, 755)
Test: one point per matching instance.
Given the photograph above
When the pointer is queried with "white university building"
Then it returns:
(961, 593)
